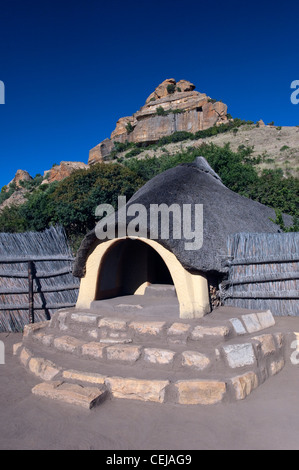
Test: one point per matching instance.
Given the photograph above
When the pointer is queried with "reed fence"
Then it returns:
(35, 277)
(263, 272)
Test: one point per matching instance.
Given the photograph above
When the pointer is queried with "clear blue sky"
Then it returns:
(71, 68)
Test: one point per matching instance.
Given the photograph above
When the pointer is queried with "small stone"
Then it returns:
(200, 392)
(86, 397)
(252, 323)
(266, 319)
(45, 339)
(158, 356)
(179, 329)
(39, 336)
(244, 384)
(84, 376)
(279, 339)
(25, 355)
(93, 334)
(200, 332)
(31, 328)
(195, 359)
(67, 343)
(43, 368)
(93, 349)
(115, 341)
(137, 389)
(84, 318)
(239, 355)
(147, 327)
(276, 366)
(126, 353)
(62, 316)
(16, 348)
(118, 335)
(113, 323)
(238, 326)
(267, 343)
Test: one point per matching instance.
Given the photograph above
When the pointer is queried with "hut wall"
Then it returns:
(54, 286)
(263, 272)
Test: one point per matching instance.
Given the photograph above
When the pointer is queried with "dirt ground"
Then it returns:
(267, 420)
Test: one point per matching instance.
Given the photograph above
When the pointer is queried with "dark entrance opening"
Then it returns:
(127, 265)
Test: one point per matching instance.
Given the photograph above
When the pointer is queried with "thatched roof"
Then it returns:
(224, 213)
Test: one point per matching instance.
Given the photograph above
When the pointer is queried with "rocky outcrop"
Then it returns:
(21, 175)
(65, 169)
(173, 106)
(57, 173)
(16, 199)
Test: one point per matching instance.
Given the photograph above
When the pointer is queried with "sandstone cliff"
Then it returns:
(173, 106)
(21, 175)
(63, 170)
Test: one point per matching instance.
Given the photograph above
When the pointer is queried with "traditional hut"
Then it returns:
(126, 264)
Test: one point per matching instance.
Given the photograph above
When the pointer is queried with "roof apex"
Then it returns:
(201, 164)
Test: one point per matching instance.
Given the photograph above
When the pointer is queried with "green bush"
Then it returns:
(129, 128)
(178, 136)
(160, 111)
(133, 153)
(237, 172)
(72, 201)
(171, 88)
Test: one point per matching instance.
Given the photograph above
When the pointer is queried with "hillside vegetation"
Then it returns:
(72, 201)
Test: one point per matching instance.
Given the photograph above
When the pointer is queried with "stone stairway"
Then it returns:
(84, 356)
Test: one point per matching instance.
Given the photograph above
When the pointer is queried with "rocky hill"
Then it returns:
(14, 193)
(274, 147)
(172, 107)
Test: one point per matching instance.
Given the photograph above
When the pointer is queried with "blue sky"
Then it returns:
(71, 68)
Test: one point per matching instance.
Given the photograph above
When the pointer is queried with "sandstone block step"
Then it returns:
(200, 392)
(137, 389)
(74, 394)
(87, 388)
(194, 362)
(122, 328)
(258, 350)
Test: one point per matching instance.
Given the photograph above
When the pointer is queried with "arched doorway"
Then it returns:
(128, 267)
(191, 288)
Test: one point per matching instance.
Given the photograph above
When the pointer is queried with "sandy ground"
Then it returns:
(267, 419)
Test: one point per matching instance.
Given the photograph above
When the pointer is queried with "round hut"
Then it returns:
(174, 230)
